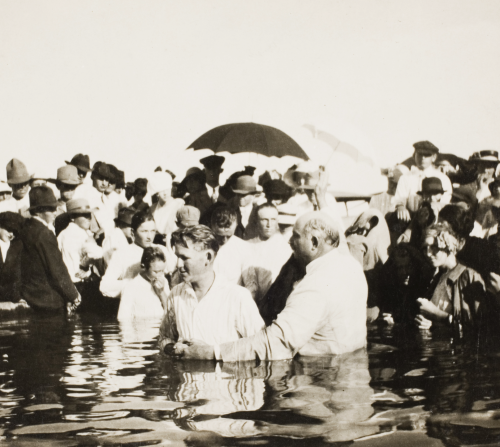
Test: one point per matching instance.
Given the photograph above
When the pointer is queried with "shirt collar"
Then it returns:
(50, 227)
(455, 272)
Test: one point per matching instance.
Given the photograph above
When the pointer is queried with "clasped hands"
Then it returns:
(190, 349)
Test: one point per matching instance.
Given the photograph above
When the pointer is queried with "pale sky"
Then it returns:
(135, 82)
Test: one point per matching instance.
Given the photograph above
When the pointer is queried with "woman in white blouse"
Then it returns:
(145, 296)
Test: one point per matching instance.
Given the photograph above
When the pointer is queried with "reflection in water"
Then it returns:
(93, 381)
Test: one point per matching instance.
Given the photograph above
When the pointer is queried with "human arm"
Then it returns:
(112, 282)
(168, 328)
(431, 312)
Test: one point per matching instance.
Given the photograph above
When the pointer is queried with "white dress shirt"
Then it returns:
(4, 248)
(16, 206)
(139, 300)
(226, 313)
(411, 183)
(125, 265)
(72, 243)
(325, 314)
(213, 193)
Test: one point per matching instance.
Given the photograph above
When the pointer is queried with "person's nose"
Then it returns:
(180, 263)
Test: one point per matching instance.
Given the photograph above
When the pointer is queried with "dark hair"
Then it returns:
(139, 218)
(223, 217)
(12, 222)
(140, 186)
(199, 235)
(151, 254)
(459, 219)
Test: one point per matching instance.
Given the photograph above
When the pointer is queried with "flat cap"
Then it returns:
(426, 147)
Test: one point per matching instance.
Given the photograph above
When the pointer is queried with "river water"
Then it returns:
(93, 381)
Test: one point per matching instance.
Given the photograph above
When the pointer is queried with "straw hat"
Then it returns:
(79, 206)
(67, 175)
(17, 172)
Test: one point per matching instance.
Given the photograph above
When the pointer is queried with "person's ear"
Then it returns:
(434, 158)
(314, 242)
(210, 256)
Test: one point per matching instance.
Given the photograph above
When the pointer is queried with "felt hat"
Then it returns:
(212, 161)
(12, 222)
(125, 216)
(79, 206)
(81, 161)
(276, 188)
(487, 156)
(188, 215)
(425, 147)
(431, 186)
(42, 196)
(68, 175)
(101, 170)
(159, 181)
(245, 185)
(464, 194)
(17, 172)
(114, 174)
(250, 170)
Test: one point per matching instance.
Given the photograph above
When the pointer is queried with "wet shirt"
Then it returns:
(325, 314)
(226, 313)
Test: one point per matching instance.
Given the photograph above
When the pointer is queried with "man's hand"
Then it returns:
(403, 214)
(422, 322)
(71, 307)
(430, 311)
(387, 318)
(198, 349)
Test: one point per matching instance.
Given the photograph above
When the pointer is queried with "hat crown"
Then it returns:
(17, 172)
(78, 205)
(68, 173)
(188, 213)
(426, 146)
(245, 183)
(432, 185)
(125, 216)
(213, 161)
(42, 196)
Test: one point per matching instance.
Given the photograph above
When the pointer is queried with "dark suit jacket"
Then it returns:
(45, 281)
(10, 272)
(200, 199)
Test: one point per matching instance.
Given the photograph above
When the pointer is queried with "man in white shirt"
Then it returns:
(406, 198)
(324, 315)
(270, 247)
(205, 306)
(235, 259)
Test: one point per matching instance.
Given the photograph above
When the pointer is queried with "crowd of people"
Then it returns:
(257, 268)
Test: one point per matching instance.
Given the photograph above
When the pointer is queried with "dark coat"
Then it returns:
(45, 281)
(10, 272)
(200, 199)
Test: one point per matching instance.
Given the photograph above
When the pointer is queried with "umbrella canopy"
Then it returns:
(249, 137)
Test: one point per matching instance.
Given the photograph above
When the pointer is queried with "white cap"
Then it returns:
(159, 181)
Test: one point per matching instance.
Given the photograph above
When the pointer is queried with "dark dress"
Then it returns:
(10, 272)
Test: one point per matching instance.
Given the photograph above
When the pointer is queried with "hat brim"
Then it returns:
(66, 182)
(82, 211)
(82, 168)
(18, 181)
(116, 220)
(240, 191)
(44, 205)
(421, 193)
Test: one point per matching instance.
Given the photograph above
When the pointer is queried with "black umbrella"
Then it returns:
(249, 137)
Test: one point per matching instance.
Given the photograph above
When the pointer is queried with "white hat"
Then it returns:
(159, 181)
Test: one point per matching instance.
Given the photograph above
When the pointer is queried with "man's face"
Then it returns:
(301, 242)
(212, 175)
(20, 190)
(67, 191)
(192, 264)
(145, 234)
(244, 200)
(424, 160)
(100, 183)
(224, 234)
(267, 223)
(83, 221)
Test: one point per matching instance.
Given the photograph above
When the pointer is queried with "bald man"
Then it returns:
(325, 313)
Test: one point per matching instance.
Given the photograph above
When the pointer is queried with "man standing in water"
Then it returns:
(325, 313)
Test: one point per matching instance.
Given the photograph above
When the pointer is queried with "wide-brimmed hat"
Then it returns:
(245, 185)
(12, 222)
(125, 216)
(81, 161)
(487, 156)
(464, 194)
(431, 186)
(102, 170)
(276, 188)
(68, 175)
(425, 147)
(159, 181)
(42, 196)
(212, 161)
(17, 172)
(188, 215)
(79, 206)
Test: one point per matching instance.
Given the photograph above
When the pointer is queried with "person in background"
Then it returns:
(485, 164)
(18, 179)
(45, 282)
(460, 294)
(145, 296)
(166, 207)
(187, 216)
(486, 224)
(11, 247)
(140, 190)
(193, 189)
(5, 191)
(235, 257)
(245, 191)
(125, 263)
(80, 252)
(66, 182)
(384, 201)
(121, 236)
(325, 313)
(406, 199)
(82, 163)
(205, 306)
(276, 192)
(270, 247)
